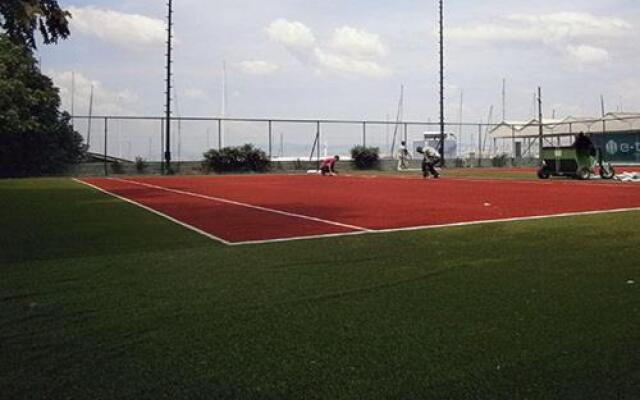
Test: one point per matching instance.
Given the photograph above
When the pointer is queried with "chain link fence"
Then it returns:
(127, 138)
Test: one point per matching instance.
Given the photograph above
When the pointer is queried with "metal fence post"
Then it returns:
(364, 134)
(219, 134)
(318, 149)
(162, 146)
(270, 137)
(513, 145)
(479, 145)
(106, 143)
(406, 134)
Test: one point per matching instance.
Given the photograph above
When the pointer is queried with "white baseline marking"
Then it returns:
(254, 207)
(190, 227)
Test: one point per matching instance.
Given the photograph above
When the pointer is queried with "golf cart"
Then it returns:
(574, 162)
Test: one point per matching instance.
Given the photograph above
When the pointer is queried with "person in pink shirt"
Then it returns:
(328, 166)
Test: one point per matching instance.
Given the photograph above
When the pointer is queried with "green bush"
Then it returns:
(460, 162)
(365, 157)
(236, 159)
(141, 165)
(116, 167)
(500, 160)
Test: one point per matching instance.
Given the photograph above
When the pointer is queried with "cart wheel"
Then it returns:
(607, 171)
(543, 173)
(583, 174)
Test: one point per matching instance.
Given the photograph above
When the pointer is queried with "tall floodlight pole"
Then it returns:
(90, 118)
(540, 126)
(604, 121)
(223, 111)
(442, 81)
(167, 153)
(504, 99)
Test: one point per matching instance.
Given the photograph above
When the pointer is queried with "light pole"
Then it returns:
(167, 154)
(441, 9)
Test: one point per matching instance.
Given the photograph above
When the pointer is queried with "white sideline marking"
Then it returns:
(442, 226)
(237, 203)
(479, 179)
(557, 181)
(190, 227)
(358, 232)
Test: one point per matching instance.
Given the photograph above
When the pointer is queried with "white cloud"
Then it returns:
(584, 54)
(357, 43)
(579, 37)
(195, 93)
(295, 36)
(571, 25)
(257, 67)
(125, 30)
(105, 101)
(349, 65)
(351, 51)
(547, 28)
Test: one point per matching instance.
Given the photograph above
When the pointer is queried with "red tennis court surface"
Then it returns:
(250, 209)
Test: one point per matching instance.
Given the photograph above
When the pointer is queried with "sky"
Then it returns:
(347, 59)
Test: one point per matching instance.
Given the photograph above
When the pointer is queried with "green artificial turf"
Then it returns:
(103, 300)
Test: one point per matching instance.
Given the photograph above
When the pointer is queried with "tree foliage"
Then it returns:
(21, 18)
(35, 137)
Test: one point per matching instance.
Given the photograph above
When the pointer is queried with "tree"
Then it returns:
(21, 18)
(35, 138)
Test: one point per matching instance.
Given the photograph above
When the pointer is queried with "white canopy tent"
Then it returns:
(610, 123)
(520, 138)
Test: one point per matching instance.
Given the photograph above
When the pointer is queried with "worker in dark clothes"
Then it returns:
(584, 144)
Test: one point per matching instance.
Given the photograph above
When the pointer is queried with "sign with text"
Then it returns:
(619, 147)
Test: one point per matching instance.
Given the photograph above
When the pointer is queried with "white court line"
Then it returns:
(558, 181)
(193, 228)
(362, 232)
(548, 182)
(237, 203)
(442, 226)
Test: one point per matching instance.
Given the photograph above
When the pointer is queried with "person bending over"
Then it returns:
(329, 166)
(431, 158)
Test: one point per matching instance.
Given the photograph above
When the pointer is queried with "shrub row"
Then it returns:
(365, 157)
(236, 159)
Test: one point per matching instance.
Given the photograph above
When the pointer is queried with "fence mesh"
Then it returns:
(145, 137)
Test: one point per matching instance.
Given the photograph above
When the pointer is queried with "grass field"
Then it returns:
(100, 299)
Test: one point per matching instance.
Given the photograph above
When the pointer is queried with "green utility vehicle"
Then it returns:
(574, 163)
